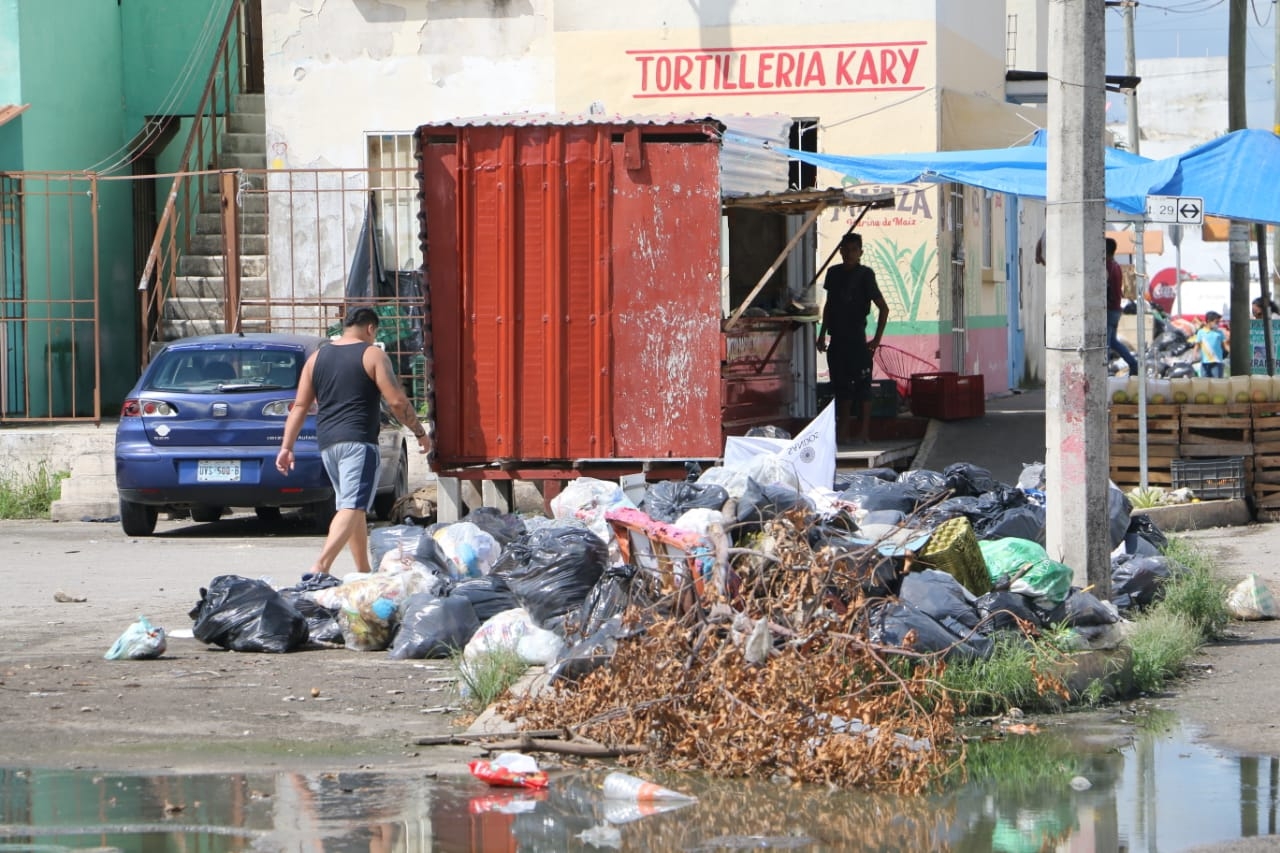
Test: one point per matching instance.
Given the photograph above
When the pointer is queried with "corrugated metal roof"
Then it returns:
(748, 166)
(11, 111)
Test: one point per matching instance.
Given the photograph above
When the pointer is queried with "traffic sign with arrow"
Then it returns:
(1175, 209)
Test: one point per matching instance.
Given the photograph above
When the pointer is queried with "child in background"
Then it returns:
(1211, 343)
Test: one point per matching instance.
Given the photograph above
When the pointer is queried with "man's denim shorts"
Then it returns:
(353, 468)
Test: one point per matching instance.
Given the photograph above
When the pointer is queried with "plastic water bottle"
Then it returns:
(624, 786)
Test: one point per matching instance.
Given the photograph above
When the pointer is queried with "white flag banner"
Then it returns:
(813, 451)
(811, 454)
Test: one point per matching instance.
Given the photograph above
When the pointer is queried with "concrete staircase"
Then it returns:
(196, 305)
(84, 450)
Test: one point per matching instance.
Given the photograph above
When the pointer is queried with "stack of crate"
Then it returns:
(1163, 436)
(1266, 457)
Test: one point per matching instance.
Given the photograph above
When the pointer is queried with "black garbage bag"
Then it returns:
(1137, 582)
(761, 503)
(247, 615)
(1142, 527)
(964, 478)
(999, 610)
(552, 570)
(667, 500)
(967, 506)
(844, 479)
(1081, 609)
(1022, 522)
(504, 527)
(892, 621)
(322, 622)
(1118, 511)
(872, 494)
(607, 599)
(941, 596)
(433, 627)
(488, 595)
(892, 517)
(586, 656)
(409, 540)
(927, 483)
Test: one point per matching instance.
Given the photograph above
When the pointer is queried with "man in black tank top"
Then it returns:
(345, 380)
(851, 292)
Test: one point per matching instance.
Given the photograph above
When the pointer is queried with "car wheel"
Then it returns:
(268, 514)
(322, 514)
(385, 503)
(137, 519)
(205, 513)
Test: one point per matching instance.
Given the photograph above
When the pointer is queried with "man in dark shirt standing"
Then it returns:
(851, 291)
(345, 380)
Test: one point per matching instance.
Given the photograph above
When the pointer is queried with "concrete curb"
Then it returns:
(1199, 516)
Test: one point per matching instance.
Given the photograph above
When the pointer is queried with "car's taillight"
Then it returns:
(142, 407)
(281, 408)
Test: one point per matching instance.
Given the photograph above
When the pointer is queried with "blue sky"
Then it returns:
(1199, 28)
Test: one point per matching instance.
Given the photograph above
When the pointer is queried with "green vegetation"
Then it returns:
(1008, 678)
(488, 676)
(1198, 593)
(29, 494)
(1019, 672)
(1161, 641)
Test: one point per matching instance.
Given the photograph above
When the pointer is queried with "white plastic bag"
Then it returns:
(587, 499)
(471, 550)
(514, 630)
(1250, 599)
(140, 641)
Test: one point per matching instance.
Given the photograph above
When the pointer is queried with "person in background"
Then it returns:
(851, 291)
(1211, 343)
(345, 379)
(1115, 293)
(1256, 308)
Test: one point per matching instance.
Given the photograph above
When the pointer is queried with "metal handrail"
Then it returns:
(172, 238)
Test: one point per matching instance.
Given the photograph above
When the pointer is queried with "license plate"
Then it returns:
(218, 471)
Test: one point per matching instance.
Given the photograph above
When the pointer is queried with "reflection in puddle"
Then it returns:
(1154, 790)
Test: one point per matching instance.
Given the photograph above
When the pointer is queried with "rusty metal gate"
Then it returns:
(49, 306)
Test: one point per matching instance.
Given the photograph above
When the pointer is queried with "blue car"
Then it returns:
(200, 431)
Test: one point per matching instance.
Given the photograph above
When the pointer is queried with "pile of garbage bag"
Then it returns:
(719, 594)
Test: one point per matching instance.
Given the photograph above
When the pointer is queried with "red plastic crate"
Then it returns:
(947, 396)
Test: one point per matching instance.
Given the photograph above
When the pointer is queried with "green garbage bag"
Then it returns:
(1046, 581)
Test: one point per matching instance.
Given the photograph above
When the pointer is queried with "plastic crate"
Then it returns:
(947, 396)
(884, 398)
(1210, 478)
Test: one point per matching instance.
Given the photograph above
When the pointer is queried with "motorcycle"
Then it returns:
(1169, 356)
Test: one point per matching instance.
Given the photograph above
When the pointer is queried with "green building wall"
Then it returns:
(92, 72)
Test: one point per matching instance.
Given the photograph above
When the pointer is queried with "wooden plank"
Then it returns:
(1162, 424)
(1205, 446)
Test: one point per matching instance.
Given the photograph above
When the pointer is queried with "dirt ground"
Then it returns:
(72, 588)
(199, 708)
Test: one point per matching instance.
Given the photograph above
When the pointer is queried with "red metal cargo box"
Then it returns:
(574, 276)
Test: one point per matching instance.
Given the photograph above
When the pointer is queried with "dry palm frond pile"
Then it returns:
(781, 679)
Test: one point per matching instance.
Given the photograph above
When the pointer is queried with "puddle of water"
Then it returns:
(1153, 791)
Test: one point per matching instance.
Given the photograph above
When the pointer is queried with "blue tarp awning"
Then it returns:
(1232, 173)
(1229, 173)
(1019, 170)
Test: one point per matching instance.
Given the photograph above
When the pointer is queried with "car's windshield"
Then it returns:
(220, 370)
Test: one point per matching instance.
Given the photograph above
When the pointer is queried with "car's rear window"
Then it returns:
(219, 370)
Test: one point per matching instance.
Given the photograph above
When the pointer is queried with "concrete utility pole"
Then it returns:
(1238, 236)
(1077, 531)
(1131, 69)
